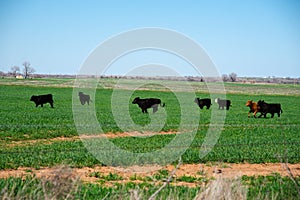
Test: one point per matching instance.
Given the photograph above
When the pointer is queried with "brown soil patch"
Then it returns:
(76, 138)
(225, 170)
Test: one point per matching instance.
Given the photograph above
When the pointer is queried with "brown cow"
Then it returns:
(253, 108)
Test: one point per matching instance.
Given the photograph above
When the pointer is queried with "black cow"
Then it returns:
(144, 104)
(223, 103)
(203, 102)
(271, 108)
(42, 99)
(84, 98)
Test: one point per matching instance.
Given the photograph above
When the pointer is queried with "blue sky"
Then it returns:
(251, 38)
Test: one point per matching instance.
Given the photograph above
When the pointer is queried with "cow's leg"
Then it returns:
(51, 103)
(248, 114)
(155, 108)
(254, 114)
(41, 105)
(272, 115)
(278, 114)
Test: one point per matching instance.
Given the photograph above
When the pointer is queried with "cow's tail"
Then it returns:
(162, 104)
(281, 110)
(91, 100)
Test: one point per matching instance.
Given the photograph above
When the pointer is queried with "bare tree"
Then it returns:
(233, 77)
(2, 74)
(27, 70)
(225, 77)
(15, 70)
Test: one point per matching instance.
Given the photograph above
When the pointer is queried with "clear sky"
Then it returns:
(251, 38)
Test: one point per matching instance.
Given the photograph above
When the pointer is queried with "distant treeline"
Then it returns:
(251, 80)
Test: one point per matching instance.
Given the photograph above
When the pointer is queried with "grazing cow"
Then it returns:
(42, 99)
(254, 108)
(271, 108)
(203, 102)
(144, 104)
(223, 103)
(84, 98)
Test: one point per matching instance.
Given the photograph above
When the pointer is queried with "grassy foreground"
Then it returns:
(261, 187)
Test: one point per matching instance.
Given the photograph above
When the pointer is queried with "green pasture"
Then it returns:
(26, 134)
(243, 139)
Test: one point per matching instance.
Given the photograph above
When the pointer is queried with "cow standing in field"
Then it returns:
(42, 99)
(254, 108)
(223, 103)
(84, 98)
(203, 102)
(144, 104)
(271, 108)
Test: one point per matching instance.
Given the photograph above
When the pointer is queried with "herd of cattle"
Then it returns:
(261, 106)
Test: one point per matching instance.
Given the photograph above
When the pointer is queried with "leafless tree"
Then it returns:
(233, 77)
(225, 77)
(2, 74)
(27, 69)
(14, 70)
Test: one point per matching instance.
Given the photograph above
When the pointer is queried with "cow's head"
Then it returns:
(136, 100)
(249, 103)
(33, 98)
(80, 94)
(260, 102)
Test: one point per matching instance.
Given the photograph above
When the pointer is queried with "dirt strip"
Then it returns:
(76, 138)
(226, 170)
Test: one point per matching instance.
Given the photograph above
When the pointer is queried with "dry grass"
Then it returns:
(60, 184)
(224, 188)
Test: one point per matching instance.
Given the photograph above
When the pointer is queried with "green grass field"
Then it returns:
(243, 139)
